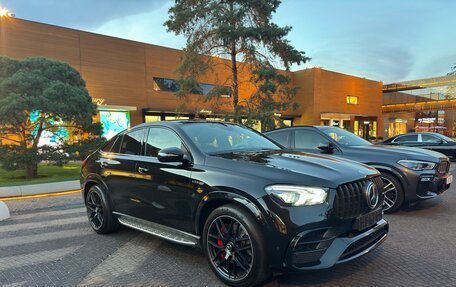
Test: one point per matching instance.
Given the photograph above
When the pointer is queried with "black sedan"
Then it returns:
(409, 174)
(432, 141)
(250, 205)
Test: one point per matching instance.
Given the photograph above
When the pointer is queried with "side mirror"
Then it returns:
(441, 141)
(171, 154)
(326, 147)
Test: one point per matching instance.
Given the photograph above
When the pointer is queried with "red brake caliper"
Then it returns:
(220, 243)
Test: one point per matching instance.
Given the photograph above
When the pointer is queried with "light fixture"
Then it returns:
(5, 13)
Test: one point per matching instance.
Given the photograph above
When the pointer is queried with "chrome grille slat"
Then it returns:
(350, 201)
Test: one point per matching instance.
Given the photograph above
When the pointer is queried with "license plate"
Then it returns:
(449, 179)
(367, 220)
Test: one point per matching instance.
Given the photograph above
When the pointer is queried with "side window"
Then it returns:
(308, 139)
(108, 146)
(430, 139)
(407, 138)
(160, 138)
(281, 138)
(131, 142)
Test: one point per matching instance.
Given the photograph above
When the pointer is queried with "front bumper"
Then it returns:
(430, 186)
(323, 248)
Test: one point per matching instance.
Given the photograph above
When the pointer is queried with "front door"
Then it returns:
(163, 190)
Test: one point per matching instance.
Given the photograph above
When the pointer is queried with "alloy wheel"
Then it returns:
(389, 193)
(95, 210)
(230, 248)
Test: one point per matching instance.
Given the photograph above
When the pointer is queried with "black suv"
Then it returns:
(250, 205)
(409, 174)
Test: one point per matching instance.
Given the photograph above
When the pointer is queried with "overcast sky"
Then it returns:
(385, 40)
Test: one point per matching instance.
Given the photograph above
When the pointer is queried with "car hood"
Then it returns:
(403, 152)
(294, 167)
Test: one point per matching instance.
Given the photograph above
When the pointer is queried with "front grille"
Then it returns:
(363, 243)
(443, 167)
(350, 200)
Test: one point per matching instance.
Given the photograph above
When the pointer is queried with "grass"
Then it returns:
(46, 174)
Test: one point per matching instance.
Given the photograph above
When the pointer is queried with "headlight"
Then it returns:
(417, 164)
(298, 195)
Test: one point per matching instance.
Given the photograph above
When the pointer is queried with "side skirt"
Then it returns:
(158, 230)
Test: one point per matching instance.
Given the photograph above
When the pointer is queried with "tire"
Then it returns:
(99, 211)
(393, 193)
(226, 253)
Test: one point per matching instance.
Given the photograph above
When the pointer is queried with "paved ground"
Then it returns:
(48, 242)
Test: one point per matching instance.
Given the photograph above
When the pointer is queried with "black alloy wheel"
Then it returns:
(94, 210)
(99, 211)
(393, 194)
(230, 248)
(235, 247)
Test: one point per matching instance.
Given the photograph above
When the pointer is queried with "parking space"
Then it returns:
(48, 241)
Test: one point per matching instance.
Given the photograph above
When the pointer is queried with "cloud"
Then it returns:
(81, 14)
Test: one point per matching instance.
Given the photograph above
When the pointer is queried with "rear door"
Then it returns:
(118, 169)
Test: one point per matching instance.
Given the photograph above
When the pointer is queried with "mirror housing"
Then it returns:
(326, 147)
(171, 154)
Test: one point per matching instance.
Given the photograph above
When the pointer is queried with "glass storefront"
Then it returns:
(427, 105)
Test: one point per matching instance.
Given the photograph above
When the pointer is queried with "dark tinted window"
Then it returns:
(169, 85)
(160, 138)
(407, 138)
(131, 142)
(108, 146)
(281, 138)
(220, 138)
(308, 139)
(430, 139)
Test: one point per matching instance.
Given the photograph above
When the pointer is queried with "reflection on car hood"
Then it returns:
(405, 152)
(284, 166)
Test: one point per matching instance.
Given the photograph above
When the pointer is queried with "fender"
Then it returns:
(392, 170)
(93, 177)
(231, 197)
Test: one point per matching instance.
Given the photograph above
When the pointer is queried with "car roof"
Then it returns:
(174, 123)
(299, 126)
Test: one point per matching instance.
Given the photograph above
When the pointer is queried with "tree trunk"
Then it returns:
(234, 71)
(31, 170)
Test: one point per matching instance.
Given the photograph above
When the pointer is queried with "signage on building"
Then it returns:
(98, 101)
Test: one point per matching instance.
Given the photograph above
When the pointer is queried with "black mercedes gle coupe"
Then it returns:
(251, 206)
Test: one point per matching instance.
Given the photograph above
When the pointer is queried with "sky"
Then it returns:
(384, 40)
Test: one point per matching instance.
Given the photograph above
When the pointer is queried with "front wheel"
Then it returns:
(234, 247)
(393, 193)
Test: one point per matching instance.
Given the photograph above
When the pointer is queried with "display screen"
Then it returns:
(114, 122)
(52, 136)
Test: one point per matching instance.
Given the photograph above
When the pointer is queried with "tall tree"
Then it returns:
(240, 31)
(45, 111)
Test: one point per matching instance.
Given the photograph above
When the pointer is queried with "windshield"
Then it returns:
(216, 138)
(344, 137)
(445, 138)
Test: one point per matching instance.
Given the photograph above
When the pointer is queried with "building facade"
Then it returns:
(426, 105)
(133, 82)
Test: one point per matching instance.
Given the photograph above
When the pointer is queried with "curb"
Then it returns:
(4, 211)
(42, 188)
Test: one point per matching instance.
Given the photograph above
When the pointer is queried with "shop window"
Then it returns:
(352, 100)
(170, 85)
(288, 123)
(153, 118)
(114, 122)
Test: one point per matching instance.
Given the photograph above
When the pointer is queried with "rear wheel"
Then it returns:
(393, 193)
(99, 211)
(234, 247)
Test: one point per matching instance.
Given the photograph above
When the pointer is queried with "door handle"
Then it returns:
(143, 169)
